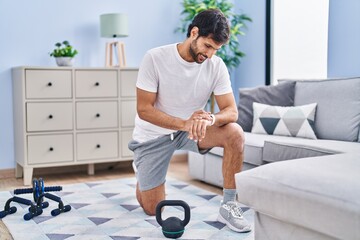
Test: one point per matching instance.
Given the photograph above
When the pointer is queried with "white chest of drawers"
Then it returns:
(70, 116)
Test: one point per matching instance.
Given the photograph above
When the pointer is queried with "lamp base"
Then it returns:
(115, 50)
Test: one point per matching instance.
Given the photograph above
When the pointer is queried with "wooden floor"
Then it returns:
(178, 169)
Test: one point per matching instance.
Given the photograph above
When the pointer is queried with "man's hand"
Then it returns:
(196, 125)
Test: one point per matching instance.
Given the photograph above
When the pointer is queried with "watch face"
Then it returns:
(213, 119)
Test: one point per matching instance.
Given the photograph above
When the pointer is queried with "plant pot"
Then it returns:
(64, 61)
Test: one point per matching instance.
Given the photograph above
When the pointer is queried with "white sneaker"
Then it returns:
(231, 214)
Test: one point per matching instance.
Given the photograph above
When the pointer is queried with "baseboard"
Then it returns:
(10, 173)
(7, 173)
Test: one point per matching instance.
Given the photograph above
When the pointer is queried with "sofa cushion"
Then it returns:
(274, 151)
(331, 145)
(253, 154)
(286, 121)
(276, 148)
(338, 109)
(305, 193)
(277, 95)
(261, 148)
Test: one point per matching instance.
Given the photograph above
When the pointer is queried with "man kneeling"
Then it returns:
(173, 86)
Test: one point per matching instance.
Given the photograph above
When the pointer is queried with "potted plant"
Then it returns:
(64, 54)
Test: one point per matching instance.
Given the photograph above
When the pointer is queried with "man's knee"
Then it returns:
(235, 132)
(150, 208)
(235, 135)
(150, 199)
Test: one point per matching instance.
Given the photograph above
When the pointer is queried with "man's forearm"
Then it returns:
(162, 119)
(225, 116)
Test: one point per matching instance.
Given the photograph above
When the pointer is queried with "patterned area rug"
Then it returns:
(109, 210)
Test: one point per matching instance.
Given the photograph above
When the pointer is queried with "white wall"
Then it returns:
(29, 30)
(299, 39)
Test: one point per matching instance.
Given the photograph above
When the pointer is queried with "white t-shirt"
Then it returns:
(182, 87)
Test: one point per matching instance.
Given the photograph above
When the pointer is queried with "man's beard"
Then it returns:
(196, 55)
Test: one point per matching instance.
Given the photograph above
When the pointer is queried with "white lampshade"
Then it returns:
(114, 25)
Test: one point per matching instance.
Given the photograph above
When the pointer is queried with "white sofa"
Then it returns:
(315, 195)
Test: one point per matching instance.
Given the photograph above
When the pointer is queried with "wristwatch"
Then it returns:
(213, 119)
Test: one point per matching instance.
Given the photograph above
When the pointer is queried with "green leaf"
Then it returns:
(65, 51)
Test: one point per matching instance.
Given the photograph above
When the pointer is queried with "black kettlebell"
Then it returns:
(173, 227)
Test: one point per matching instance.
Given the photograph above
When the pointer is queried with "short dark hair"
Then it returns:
(211, 22)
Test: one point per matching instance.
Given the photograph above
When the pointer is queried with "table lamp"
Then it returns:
(114, 25)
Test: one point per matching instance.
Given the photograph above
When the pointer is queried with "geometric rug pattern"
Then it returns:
(108, 210)
(295, 121)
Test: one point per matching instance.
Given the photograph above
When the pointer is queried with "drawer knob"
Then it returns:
(97, 84)
(97, 115)
(98, 146)
(49, 84)
(51, 116)
(51, 149)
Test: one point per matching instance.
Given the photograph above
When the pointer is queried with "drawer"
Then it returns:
(128, 83)
(48, 84)
(49, 116)
(96, 115)
(50, 149)
(96, 83)
(128, 113)
(126, 136)
(97, 145)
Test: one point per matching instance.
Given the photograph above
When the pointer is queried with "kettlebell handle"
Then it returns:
(173, 203)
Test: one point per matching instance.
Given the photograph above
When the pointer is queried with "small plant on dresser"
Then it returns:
(64, 53)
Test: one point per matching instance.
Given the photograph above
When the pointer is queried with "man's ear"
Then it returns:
(194, 33)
